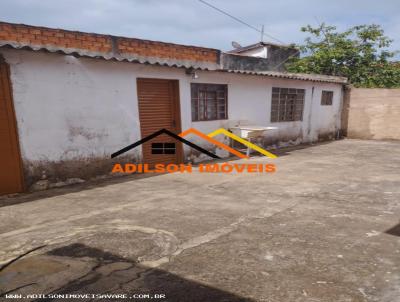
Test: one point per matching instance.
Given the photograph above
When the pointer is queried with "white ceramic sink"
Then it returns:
(250, 131)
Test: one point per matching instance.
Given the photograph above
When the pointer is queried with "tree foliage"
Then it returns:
(360, 53)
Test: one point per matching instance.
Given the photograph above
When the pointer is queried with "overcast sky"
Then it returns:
(191, 22)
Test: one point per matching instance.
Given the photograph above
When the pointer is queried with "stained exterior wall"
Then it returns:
(249, 101)
(275, 60)
(374, 113)
(72, 113)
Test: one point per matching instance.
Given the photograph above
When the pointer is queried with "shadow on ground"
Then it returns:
(395, 231)
(108, 274)
(288, 150)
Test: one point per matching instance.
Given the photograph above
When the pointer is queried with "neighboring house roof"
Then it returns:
(108, 47)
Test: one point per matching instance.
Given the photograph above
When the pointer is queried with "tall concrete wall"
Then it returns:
(373, 113)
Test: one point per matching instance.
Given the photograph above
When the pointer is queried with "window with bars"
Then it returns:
(287, 104)
(326, 98)
(209, 102)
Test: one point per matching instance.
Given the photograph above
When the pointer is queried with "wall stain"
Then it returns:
(84, 168)
(75, 131)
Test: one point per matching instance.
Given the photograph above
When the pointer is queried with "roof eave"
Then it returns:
(293, 76)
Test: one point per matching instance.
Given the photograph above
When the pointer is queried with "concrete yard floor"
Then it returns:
(324, 227)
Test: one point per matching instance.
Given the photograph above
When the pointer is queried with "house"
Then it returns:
(70, 99)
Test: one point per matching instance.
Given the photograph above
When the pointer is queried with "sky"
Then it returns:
(191, 22)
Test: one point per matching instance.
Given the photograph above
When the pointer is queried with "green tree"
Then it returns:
(360, 53)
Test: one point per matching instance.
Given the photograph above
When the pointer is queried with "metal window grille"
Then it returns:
(287, 104)
(326, 98)
(209, 102)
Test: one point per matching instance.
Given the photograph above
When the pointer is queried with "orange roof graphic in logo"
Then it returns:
(242, 141)
(210, 139)
(213, 141)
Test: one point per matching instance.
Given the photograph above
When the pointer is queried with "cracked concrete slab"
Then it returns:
(324, 227)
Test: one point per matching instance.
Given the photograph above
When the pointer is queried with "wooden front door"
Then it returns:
(10, 159)
(158, 109)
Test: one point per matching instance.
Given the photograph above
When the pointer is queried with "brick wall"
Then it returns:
(58, 38)
(373, 113)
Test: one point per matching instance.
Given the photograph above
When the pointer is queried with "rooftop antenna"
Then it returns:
(262, 33)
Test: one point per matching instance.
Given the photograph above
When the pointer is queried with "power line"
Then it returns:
(241, 21)
(254, 28)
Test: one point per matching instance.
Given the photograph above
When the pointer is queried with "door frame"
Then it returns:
(13, 125)
(176, 107)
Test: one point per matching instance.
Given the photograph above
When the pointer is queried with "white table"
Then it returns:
(250, 132)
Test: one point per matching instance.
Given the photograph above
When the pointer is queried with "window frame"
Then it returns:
(163, 148)
(199, 115)
(283, 97)
(327, 97)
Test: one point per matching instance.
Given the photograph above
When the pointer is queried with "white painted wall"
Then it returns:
(70, 108)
